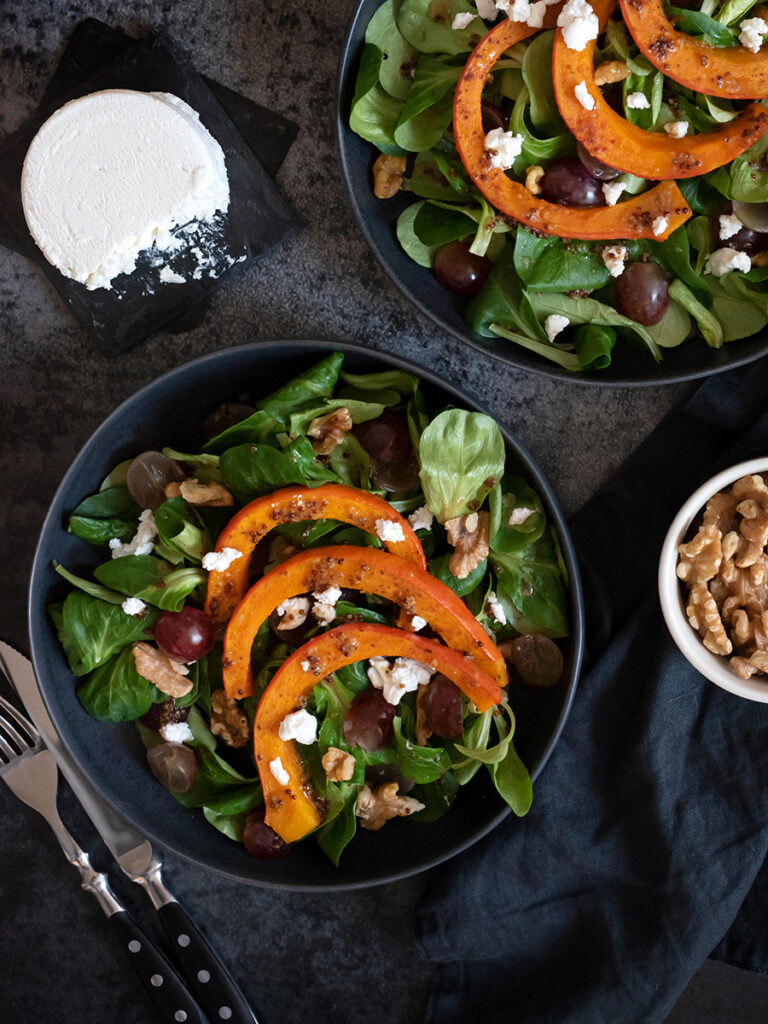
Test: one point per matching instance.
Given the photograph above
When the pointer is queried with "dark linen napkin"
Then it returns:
(649, 825)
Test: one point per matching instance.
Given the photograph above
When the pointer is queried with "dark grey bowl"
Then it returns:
(169, 411)
(376, 217)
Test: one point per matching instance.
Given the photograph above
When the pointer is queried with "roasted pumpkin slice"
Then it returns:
(295, 504)
(732, 72)
(290, 808)
(371, 571)
(618, 143)
(633, 218)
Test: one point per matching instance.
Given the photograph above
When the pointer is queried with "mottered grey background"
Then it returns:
(324, 958)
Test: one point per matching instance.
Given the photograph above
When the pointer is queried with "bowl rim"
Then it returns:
(346, 68)
(713, 666)
(576, 600)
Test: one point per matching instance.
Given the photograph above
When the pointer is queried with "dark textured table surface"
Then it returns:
(331, 958)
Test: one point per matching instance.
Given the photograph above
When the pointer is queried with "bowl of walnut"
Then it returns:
(713, 582)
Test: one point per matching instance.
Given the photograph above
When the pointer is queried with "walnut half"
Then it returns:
(329, 430)
(338, 765)
(468, 535)
(156, 667)
(388, 174)
(228, 721)
(375, 807)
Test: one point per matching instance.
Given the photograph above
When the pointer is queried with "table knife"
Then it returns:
(209, 980)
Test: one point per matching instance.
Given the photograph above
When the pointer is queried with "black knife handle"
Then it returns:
(163, 985)
(210, 981)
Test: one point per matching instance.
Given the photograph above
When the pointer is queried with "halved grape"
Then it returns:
(186, 635)
(260, 840)
(173, 765)
(148, 475)
(368, 721)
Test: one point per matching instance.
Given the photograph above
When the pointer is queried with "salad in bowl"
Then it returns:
(578, 175)
(323, 618)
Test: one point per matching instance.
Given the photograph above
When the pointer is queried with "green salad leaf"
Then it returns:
(92, 630)
(115, 692)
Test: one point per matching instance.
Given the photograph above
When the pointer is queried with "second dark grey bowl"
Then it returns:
(169, 411)
(377, 217)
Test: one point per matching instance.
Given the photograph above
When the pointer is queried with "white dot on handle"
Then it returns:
(203, 976)
(180, 1015)
(156, 980)
(224, 1012)
(134, 946)
(183, 939)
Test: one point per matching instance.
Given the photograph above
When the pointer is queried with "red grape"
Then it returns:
(442, 708)
(596, 167)
(642, 293)
(186, 635)
(173, 765)
(147, 477)
(461, 271)
(567, 181)
(537, 659)
(260, 840)
(368, 721)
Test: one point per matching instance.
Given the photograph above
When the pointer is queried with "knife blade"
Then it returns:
(208, 978)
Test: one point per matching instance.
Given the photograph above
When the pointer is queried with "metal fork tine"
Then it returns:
(7, 731)
(8, 751)
(21, 720)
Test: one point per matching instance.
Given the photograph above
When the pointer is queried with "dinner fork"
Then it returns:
(28, 769)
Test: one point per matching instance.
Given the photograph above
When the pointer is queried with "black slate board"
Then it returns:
(252, 138)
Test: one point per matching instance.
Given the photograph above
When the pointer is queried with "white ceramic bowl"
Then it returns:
(713, 666)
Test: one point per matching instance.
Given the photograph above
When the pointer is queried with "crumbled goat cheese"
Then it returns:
(487, 9)
(143, 541)
(496, 609)
(282, 776)
(299, 726)
(612, 190)
(536, 15)
(461, 21)
(613, 258)
(293, 612)
(677, 129)
(133, 606)
(554, 324)
(417, 623)
(168, 276)
(722, 261)
(421, 519)
(637, 101)
(519, 516)
(220, 561)
(176, 732)
(579, 24)
(502, 147)
(324, 608)
(386, 530)
(305, 666)
(752, 31)
(660, 225)
(583, 96)
(730, 225)
(404, 676)
(516, 10)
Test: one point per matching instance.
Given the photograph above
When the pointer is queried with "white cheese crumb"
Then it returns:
(293, 612)
(752, 32)
(677, 129)
(519, 516)
(461, 21)
(516, 10)
(324, 608)
(613, 258)
(554, 324)
(612, 190)
(503, 147)
(536, 15)
(421, 519)
(417, 623)
(404, 676)
(579, 24)
(487, 9)
(495, 609)
(305, 666)
(582, 95)
(133, 606)
(282, 776)
(660, 225)
(388, 530)
(168, 276)
(220, 561)
(299, 726)
(730, 225)
(637, 101)
(176, 732)
(143, 541)
(722, 261)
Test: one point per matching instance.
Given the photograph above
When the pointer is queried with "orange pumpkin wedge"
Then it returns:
(633, 218)
(732, 72)
(618, 143)
(291, 505)
(290, 808)
(371, 571)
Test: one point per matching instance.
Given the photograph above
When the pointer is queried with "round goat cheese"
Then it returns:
(111, 174)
